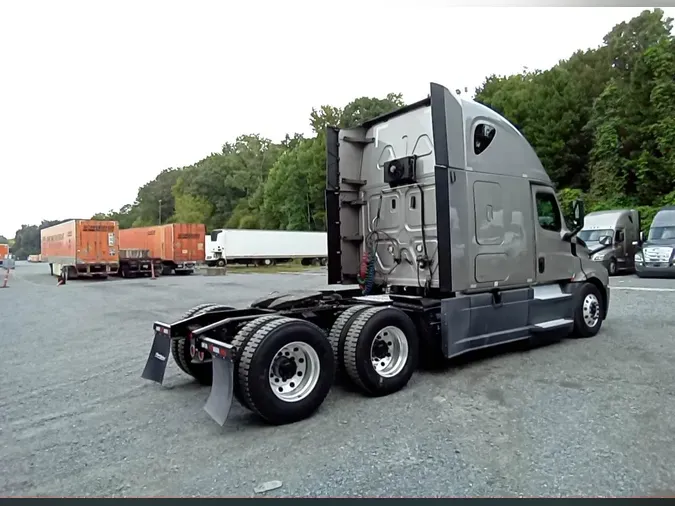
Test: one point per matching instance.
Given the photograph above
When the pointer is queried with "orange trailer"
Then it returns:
(179, 246)
(81, 248)
(4, 252)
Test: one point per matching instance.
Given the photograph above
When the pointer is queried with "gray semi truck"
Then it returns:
(444, 236)
(613, 237)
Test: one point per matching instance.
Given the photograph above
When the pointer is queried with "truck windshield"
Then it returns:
(215, 234)
(661, 233)
(594, 235)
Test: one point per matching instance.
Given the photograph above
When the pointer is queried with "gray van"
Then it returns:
(618, 231)
(657, 258)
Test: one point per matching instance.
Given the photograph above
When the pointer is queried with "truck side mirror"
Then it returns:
(605, 240)
(578, 211)
(642, 237)
(577, 217)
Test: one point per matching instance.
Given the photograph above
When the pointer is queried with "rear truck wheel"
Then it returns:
(339, 330)
(381, 350)
(324, 262)
(612, 267)
(125, 271)
(588, 314)
(240, 340)
(286, 370)
(191, 361)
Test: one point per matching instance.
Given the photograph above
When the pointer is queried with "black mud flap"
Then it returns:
(158, 358)
(220, 399)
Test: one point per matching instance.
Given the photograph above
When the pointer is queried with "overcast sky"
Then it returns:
(97, 97)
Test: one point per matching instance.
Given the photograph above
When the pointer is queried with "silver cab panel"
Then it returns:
(490, 214)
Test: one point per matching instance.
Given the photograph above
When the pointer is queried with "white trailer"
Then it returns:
(265, 247)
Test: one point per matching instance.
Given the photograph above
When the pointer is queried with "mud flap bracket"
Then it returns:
(159, 355)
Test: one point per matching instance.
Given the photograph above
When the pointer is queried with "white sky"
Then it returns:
(97, 97)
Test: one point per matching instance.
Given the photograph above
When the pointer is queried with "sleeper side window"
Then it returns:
(482, 137)
(619, 237)
(548, 212)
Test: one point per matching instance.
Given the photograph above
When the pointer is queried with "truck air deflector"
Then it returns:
(448, 132)
(333, 206)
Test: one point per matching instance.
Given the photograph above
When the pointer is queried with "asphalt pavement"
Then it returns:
(589, 417)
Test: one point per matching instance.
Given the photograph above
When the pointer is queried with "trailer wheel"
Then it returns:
(286, 370)
(588, 313)
(381, 350)
(239, 342)
(339, 330)
(202, 370)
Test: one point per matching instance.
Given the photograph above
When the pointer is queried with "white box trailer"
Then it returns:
(265, 247)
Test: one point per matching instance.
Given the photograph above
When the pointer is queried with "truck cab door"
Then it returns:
(553, 257)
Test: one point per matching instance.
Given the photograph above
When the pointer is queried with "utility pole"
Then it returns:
(160, 211)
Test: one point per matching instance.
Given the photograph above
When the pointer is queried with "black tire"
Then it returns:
(339, 330)
(221, 262)
(612, 270)
(581, 326)
(357, 350)
(254, 370)
(180, 349)
(324, 262)
(239, 342)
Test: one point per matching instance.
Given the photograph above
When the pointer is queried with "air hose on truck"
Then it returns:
(366, 277)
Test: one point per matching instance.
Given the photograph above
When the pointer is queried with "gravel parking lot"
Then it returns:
(581, 417)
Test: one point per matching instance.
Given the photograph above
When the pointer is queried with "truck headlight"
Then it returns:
(599, 257)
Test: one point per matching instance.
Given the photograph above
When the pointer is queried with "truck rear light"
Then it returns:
(215, 350)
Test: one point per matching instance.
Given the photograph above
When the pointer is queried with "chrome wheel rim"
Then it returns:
(591, 310)
(294, 372)
(389, 351)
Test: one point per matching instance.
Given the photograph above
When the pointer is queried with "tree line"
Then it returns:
(601, 121)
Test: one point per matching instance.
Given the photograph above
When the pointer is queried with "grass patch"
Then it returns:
(294, 266)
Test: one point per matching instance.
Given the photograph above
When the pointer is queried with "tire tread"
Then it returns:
(246, 357)
(351, 342)
(338, 327)
(239, 342)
